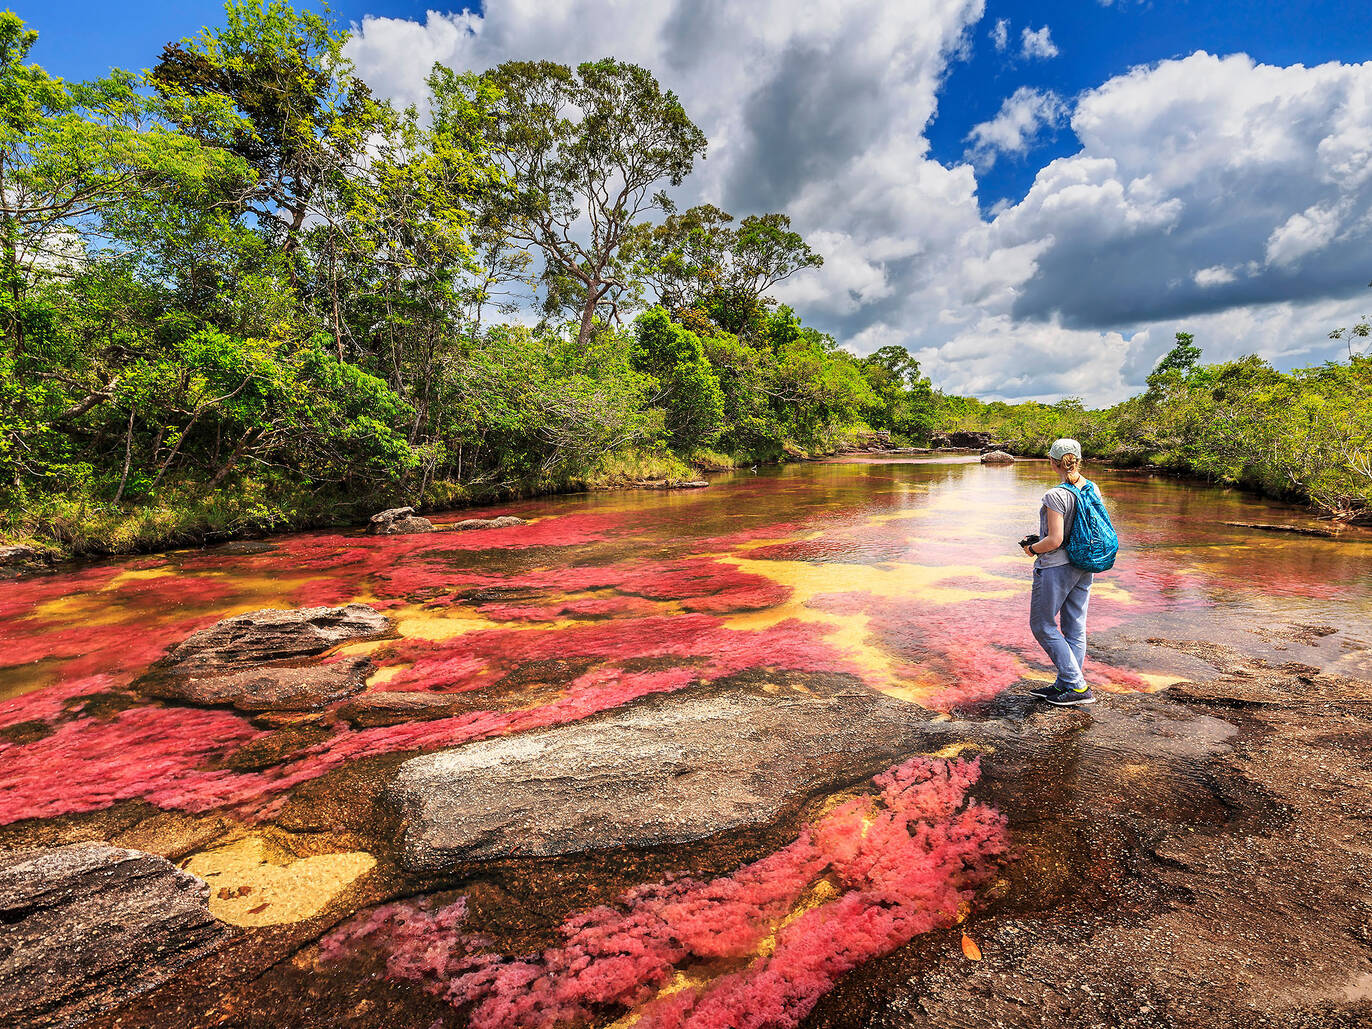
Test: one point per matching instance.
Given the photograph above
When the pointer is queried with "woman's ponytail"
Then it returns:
(1070, 464)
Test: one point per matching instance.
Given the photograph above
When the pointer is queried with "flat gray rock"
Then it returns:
(503, 522)
(86, 926)
(664, 770)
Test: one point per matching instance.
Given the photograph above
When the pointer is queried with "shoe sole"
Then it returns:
(1082, 702)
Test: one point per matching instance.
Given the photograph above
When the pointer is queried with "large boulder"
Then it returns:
(270, 688)
(274, 634)
(664, 770)
(503, 522)
(397, 521)
(997, 457)
(87, 926)
(255, 661)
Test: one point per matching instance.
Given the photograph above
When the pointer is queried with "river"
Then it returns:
(900, 575)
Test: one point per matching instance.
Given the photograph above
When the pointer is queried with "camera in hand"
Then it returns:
(1030, 540)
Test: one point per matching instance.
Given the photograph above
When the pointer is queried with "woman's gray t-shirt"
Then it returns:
(1061, 499)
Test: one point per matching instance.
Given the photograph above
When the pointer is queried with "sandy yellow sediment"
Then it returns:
(851, 633)
(257, 878)
(958, 749)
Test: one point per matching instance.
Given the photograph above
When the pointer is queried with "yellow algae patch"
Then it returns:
(821, 892)
(257, 879)
(957, 749)
(680, 981)
(137, 575)
(851, 633)
(1110, 591)
(891, 580)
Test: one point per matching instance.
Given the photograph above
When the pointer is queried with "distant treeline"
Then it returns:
(1304, 435)
(240, 291)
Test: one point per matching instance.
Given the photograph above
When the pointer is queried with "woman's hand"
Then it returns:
(1027, 551)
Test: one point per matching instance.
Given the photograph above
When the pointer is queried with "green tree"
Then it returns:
(688, 389)
(584, 149)
(1180, 359)
(273, 88)
(698, 259)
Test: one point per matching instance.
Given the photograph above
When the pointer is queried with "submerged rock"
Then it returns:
(397, 521)
(665, 770)
(997, 457)
(393, 707)
(244, 548)
(271, 688)
(252, 661)
(503, 522)
(89, 925)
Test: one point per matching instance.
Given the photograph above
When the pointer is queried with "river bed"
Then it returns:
(886, 594)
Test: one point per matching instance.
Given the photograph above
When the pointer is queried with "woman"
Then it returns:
(1060, 588)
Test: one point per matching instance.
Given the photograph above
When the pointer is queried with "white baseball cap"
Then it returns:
(1061, 448)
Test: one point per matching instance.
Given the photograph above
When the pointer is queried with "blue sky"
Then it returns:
(81, 38)
(1095, 41)
(1032, 198)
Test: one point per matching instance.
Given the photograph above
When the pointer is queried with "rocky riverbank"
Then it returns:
(1194, 857)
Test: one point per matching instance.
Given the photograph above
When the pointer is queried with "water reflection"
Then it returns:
(903, 573)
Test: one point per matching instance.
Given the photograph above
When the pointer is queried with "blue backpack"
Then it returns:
(1092, 543)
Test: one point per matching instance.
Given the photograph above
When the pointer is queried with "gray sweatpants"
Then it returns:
(1062, 590)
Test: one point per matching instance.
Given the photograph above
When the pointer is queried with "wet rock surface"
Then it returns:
(84, 927)
(269, 688)
(397, 521)
(693, 765)
(392, 708)
(21, 560)
(997, 457)
(253, 662)
(1201, 890)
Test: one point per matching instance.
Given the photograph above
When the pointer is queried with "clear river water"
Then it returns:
(901, 574)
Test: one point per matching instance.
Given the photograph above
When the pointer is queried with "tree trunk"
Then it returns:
(583, 338)
(128, 455)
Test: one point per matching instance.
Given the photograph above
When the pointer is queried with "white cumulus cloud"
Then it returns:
(1209, 194)
(1000, 34)
(1037, 43)
(1023, 116)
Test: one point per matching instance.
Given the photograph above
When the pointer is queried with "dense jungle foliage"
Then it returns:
(1303, 435)
(239, 291)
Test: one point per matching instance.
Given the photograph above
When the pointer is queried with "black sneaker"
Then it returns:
(1048, 689)
(1064, 697)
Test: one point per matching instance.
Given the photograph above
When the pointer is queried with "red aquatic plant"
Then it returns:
(899, 865)
(155, 753)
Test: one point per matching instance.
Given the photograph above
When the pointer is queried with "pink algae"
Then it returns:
(154, 753)
(899, 865)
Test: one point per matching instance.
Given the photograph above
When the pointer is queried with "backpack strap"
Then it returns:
(1077, 492)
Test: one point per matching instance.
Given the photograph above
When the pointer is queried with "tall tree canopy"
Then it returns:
(585, 149)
